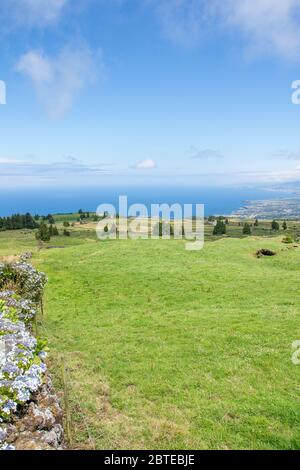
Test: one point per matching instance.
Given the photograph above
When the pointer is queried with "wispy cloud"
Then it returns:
(145, 165)
(287, 154)
(33, 169)
(182, 21)
(58, 79)
(32, 12)
(268, 26)
(204, 154)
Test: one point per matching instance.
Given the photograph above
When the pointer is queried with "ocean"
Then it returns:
(45, 201)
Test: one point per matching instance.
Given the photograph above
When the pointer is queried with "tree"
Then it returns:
(27, 221)
(163, 228)
(284, 225)
(17, 222)
(43, 233)
(246, 229)
(50, 219)
(220, 228)
(66, 224)
(275, 225)
(67, 233)
(55, 232)
(256, 223)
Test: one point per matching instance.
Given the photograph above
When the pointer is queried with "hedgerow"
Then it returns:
(22, 356)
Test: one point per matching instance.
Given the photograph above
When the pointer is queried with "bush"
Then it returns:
(55, 231)
(220, 228)
(22, 366)
(246, 229)
(288, 239)
(275, 225)
(50, 219)
(265, 252)
(24, 279)
(43, 233)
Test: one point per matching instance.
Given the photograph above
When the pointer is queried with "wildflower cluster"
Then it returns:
(25, 309)
(21, 355)
(27, 281)
(26, 256)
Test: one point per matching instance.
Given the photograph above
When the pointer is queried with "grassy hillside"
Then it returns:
(166, 348)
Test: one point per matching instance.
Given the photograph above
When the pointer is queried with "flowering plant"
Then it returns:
(26, 280)
(25, 309)
(22, 356)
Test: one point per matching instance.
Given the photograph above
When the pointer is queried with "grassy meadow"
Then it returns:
(156, 347)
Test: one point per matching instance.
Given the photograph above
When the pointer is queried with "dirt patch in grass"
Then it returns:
(55, 247)
(264, 252)
(9, 259)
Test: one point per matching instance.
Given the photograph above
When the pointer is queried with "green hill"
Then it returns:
(170, 349)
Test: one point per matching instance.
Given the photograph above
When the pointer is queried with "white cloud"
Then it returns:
(36, 66)
(58, 80)
(145, 165)
(33, 12)
(268, 26)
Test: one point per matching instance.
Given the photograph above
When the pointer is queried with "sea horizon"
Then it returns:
(216, 200)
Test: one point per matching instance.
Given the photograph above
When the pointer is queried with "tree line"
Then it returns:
(18, 222)
(220, 227)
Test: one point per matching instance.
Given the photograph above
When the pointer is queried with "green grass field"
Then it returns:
(170, 349)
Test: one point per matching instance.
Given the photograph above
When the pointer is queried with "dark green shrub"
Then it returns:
(288, 239)
(43, 233)
(220, 228)
(246, 229)
(275, 225)
(265, 252)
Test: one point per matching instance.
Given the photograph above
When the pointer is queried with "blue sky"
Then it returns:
(149, 92)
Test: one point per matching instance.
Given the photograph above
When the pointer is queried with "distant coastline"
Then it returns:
(217, 200)
(287, 208)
